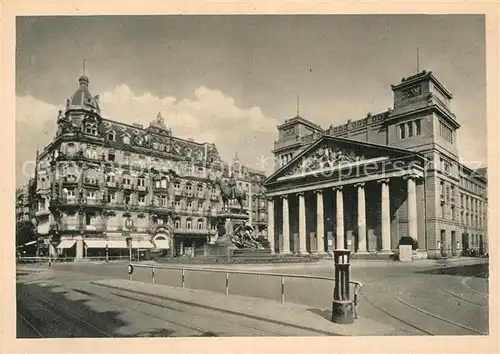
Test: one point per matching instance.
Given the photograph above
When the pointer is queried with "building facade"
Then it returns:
(103, 185)
(367, 183)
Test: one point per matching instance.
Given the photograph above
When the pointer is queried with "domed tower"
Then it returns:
(81, 109)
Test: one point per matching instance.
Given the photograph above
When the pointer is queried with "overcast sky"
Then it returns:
(231, 79)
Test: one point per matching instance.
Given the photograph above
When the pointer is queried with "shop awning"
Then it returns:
(117, 244)
(162, 244)
(96, 243)
(66, 244)
(142, 244)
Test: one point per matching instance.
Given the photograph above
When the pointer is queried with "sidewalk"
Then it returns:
(292, 319)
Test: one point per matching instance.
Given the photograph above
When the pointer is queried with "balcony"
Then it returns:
(214, 197)
(142, 188)
(110, 184)
(91, 182)
(42, 212)
(70, 180)
(95, 227)
(128, 186)
(68, 226)
(178, 192)
(185, 230)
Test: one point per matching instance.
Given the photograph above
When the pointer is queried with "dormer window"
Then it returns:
(138, 140)
(91, 128)
(111, 135)
(126, 139)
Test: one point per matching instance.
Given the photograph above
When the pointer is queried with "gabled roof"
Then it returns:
(355, 143)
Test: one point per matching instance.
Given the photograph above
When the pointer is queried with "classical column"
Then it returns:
(361, 218)
(340, 218)
(320, 221)
(302, 224)
(286, 225)
(270, 223)
(386, 215)
(412, 207)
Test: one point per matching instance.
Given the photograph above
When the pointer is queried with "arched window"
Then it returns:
(111, 135)
(177, 223)
(189, 224)
(201, 224)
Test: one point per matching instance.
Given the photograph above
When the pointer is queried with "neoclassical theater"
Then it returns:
(367, 183)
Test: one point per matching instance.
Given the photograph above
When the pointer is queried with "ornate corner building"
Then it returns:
(366, 184)
(100, 183)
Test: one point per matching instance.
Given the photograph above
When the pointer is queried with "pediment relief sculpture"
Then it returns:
(323, 158)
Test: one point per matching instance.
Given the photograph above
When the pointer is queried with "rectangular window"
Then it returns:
(453, 212)
(200, 225)
(128, 199)
(71, 193)
(111, 156)
(163, 200)
(90, 195)
(177, 203)
(111, 197)
(126, 181)
(110, 178)
(402, 131)
(442, 210)
(190, 204)
(141, 182)
(417, 127)
(410, 129)
(142, 200)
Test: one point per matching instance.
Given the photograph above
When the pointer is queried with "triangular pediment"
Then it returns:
(332, 153)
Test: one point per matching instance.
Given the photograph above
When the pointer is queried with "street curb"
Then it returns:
(287, 314)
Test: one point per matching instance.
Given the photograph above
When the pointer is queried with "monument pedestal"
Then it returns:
(223, 246)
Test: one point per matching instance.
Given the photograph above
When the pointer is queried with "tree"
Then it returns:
(25, 232)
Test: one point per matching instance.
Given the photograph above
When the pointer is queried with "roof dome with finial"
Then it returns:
(82, 97)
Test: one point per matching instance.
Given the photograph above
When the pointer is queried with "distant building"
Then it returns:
(395, 173)
(101, 183)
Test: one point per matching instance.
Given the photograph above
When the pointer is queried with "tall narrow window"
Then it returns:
(417, 127)
(402, 131)
(410, 129)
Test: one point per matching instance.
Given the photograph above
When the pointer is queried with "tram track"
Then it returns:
(62, 312)
(30, 325)
(464, 283)
(430, 316)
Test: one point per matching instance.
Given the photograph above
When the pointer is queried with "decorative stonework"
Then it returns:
(324, 157)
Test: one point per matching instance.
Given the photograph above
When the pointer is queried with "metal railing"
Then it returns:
(68, 259)
(357, 285)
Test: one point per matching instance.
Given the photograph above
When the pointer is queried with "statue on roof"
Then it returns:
(159, 121)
